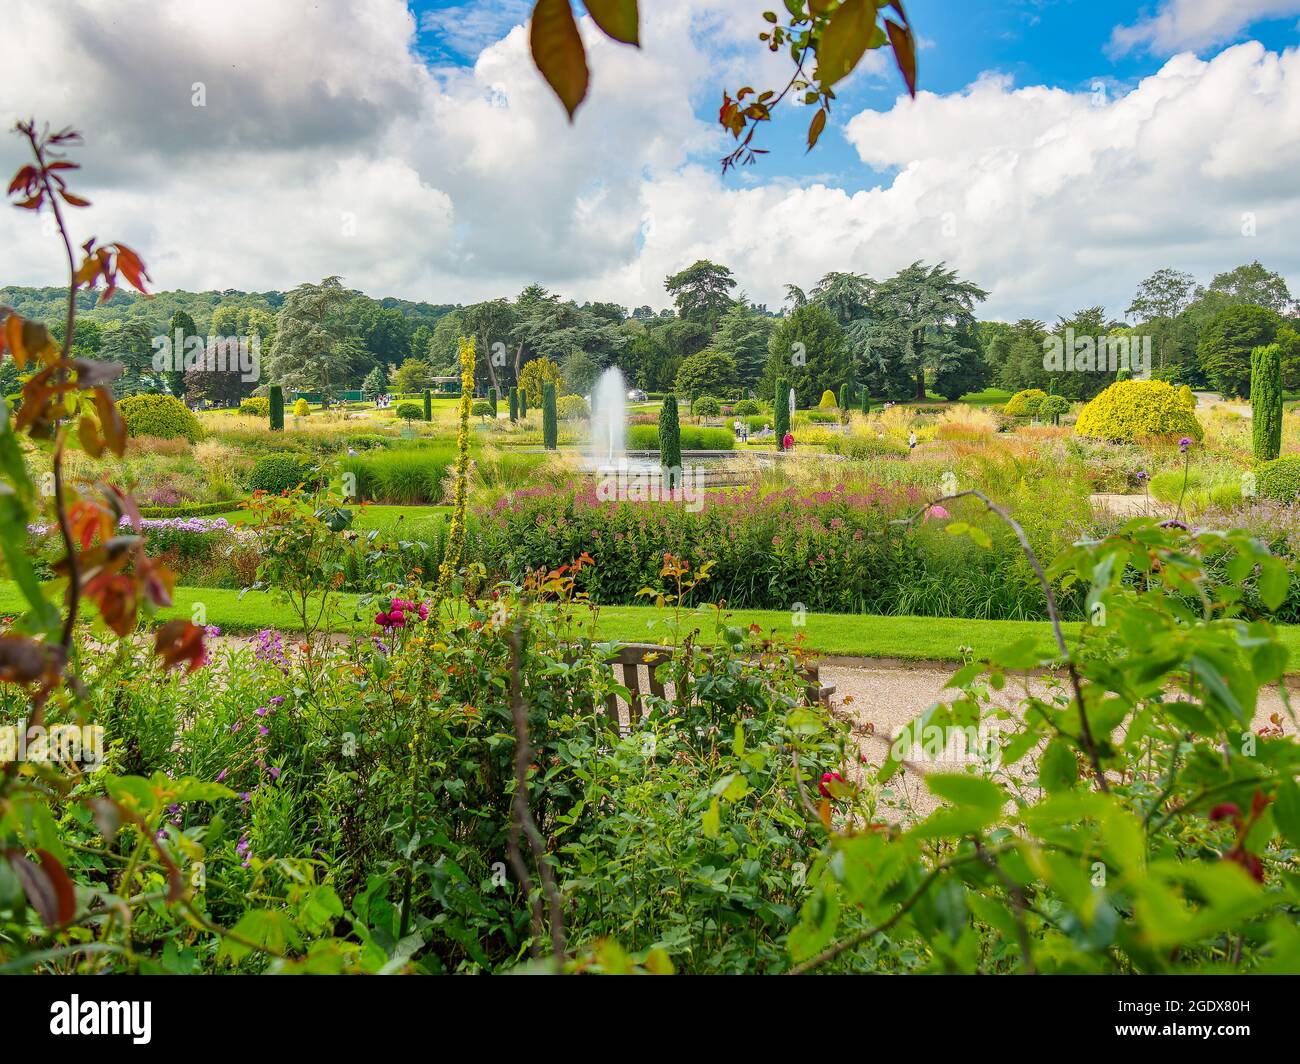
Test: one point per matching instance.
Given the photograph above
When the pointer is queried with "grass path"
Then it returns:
(847, 635)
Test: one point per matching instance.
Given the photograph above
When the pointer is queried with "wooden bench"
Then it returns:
(625, 663)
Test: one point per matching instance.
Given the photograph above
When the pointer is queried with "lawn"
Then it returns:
(906, 638)
(411, 519)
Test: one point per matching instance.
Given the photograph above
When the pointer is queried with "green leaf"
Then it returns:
(1286, 811)
(848, 35)
(618, 18)
(712, 820)
(558, 52)
(960, 789)
(1059, 769)
(1273, 582)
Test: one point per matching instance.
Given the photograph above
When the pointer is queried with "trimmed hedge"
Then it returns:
(1266, 402)
(706, 406)
(276, 416)
(256, 406)
(693, 438)
(1132, 410)
(568, 408)
(1026, 403)
(1280, 478)
(163, 416)
(280, 472)
(198, 509)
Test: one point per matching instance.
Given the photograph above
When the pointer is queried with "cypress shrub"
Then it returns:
(550, 423)
(523, 403)
(276, 396)
(514, 405)
(492, 402)
(781, 410)
(866, 400)
(670, 441)
(846, 398)
(1266, 401)
(428, 405)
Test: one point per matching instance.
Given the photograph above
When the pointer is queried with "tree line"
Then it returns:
(911, 335)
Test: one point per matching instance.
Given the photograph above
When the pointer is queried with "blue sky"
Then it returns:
(1058, 43)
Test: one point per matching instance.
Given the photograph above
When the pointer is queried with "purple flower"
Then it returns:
(262, 711)
(221, 775)
(262, 729)
(1142, 476)
(274, 771)
(1184, 444)
(277, 700)
(1171, 523)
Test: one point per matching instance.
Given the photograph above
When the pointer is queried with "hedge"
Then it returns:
(163, 416)
(1132, 410)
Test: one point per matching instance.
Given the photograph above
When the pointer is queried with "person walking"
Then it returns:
(911, 440)
(787, 442)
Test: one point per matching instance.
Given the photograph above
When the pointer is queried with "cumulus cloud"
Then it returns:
(327, 145)
(1196, 24)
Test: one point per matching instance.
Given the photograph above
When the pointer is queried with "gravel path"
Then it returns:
(883, 698)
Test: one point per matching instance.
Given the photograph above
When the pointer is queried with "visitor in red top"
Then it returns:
(787, 442)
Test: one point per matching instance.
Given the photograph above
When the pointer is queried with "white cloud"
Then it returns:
(327, 146)
(1196, 24)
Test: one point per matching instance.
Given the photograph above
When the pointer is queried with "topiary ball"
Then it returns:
(1026, 403)
(163, 416)
(1129, 411)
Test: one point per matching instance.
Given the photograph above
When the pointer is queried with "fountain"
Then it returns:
(609, 420)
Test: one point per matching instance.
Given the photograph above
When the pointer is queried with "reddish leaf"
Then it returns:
(815, 128)
(180, 641)
(904, 52)
(618, 18)
(132, 268)
(73, 201)
(46, 885)
(558, 52)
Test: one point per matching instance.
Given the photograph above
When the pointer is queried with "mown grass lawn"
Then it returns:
(849, 635)
(411, 519)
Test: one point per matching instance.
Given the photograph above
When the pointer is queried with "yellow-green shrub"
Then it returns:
(300, 408)
(828, 400)
(1025, 404)
(1132, 410)
(163, 416)
(1280, 478)
(572, 408)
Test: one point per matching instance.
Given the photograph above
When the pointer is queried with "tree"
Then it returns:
(1227, 343)
(809, 349)
(132, 345)
(492, 402)
(514, 405)
(181, 329)
(276, 415)
(535, 376)
(375, 384)
(846, 295)
(915, 317)
(707, 373)
(413, 375)
(964, 370)
(670, 442)
(523, 403)
(314, 350)
(428, 405)
(702, 292)
(744, 335)
(550, 425)
(1165, 294)
(1266, 402)
(578, 373)
(1252, 285)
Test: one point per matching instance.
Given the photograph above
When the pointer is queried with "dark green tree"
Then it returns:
(276, 395)
(670, 442)
(809, 349)
(708, 372)
(1227, 342)
(428, 405)
(1266, 402)
(550, 423)
(514, 405)
(702, 292)
(181, 329)
(492, 402)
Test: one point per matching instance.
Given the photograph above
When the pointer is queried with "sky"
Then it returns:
(1058, 152)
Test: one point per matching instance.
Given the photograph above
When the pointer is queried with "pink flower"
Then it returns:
(937, 512)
